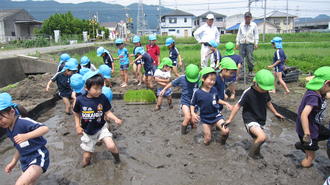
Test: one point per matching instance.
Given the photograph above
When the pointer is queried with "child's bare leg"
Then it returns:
(175, 70)
(309, 158)
(159, 102)
(111, 146)
(67, 104)
(139, 73)
(280, 79)
(30, 176)
(232, 88)
(169, 100)
(186, 119)
(258, 141)
(86, 159)
(125, 76)
(224, 132)
(207, 129)
(150, 82)
(122, 77)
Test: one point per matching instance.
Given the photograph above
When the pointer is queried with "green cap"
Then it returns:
(165, 62)
(265, 80)
(321, 75)
(229, 48)
(204, 71)
(192, 73)
(227, 63)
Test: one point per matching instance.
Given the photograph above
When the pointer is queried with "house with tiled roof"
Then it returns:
(177, 23)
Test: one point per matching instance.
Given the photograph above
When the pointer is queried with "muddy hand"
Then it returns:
(20, 138)
(9, 167)
(118, 121)
(79, 130)
(280, 116)
(195, 118)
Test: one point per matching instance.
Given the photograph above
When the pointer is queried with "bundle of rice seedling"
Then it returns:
(142, 96)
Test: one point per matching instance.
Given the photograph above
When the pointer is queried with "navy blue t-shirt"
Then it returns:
(174, 53)
(236, 58)
(147, 61)
(207, 103)
(63, 82)
(22, 126)
(187, 89)
(108, 60)
(279, 55)
(92, 112)
(220, 86)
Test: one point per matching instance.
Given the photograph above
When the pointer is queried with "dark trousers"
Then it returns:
(246, 51)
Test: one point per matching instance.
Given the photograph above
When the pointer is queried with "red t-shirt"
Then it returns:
(154, 52)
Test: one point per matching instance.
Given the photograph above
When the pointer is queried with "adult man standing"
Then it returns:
(205, 34)
(247, 39)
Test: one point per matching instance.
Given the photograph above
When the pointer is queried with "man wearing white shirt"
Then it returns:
(205, 34)
(247, 39)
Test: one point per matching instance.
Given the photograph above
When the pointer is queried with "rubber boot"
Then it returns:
(116, 157)
(255, 147)
(183, 130)
(223, 139)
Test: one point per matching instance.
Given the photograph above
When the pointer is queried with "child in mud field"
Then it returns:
(123, 58)
(85, 62)
(310, 115)
(153, 50)
(174, 55)
(105, 71)
(89, 112)
(278, 62)
(163, 78)
(138, 63)
(215, 53)
(147, 65)
(26, 134)
(62, 80)
(63, 59)
(254, 101)
(188, 83)
(107, 58)
(208, 101)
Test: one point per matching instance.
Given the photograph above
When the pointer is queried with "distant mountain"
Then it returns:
(317, 18)
(41, 10)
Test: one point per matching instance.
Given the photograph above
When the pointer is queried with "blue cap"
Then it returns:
(70, 65)
(152, 37)
(89, 75)
(100, 51)
(119, 41)
(5, 101)
(105, 71)
(84, 60)
(136, 39)
(64, 57)
(169, 41)
(83, 71)
(74, 60)
(139, 50)
(213, 44)
(107, 92)
(277, 41)
(77, 83)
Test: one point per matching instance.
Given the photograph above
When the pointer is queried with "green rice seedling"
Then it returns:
(142, 96)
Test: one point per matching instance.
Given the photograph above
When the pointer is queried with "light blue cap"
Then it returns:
(77, 83)
(152, 37)
(105, 71)
(70, 65)
(169, 41)
(5, 101)
(277, 41)
(100, 51)
(213, 44)
(119, 41)
(136, 39)
(83, 71)
(89, 75)
(139, 50)
(84, 60)
(107, 92)
(64, 57)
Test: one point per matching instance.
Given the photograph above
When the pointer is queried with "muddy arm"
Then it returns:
(274, 111)
(233, 113)
(40, 131)
(110, 115)
(77, 122)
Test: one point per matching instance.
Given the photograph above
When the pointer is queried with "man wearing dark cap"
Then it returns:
(247, 39)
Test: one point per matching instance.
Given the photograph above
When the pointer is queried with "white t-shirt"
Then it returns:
(162, 74)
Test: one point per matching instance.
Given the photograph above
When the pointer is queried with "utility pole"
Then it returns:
(141, 22)
(287, 16)
(264, 26)
(160, 15)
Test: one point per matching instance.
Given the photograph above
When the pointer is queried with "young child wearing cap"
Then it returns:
(123, 58)
(255, 100)
(174, 55)
(278, 62)
(63, 59)
(215, 53)
(231, 81)
(85, 62)
(227, 69)
(105, 71)
(107, 58)
(26, 134)
(77, 84)
(138, 63)
(89, 112)
(153, 50)
(147, 65)
(62, 80)
(310, 115)
(208, 101)
(163, 78)
(188, 83)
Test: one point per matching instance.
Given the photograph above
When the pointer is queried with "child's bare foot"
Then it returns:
(273, 91)
(85, 162)
(123, 85)
(287, 92)
(157, 108)
(170, 106)
(139, 84)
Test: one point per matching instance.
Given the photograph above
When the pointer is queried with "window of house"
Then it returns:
(13, 33)
(204, 19)
(177, 31)
(185, 19)
(285, 21)
(277, 21)
(172, 20)
(171, 30)
(162, 19)
(219, 19)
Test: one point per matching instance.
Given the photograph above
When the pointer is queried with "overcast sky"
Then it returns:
(301, 8)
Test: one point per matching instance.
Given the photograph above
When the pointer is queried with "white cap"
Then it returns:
(210, 16)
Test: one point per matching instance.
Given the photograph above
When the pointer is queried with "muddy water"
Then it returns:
(154, 152)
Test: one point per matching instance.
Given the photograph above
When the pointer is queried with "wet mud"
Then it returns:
(153, 151)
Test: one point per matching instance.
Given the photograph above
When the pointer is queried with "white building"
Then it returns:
(111, 26)
(269, 27)
(233, 20)
(177, 23)
(219, 21)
